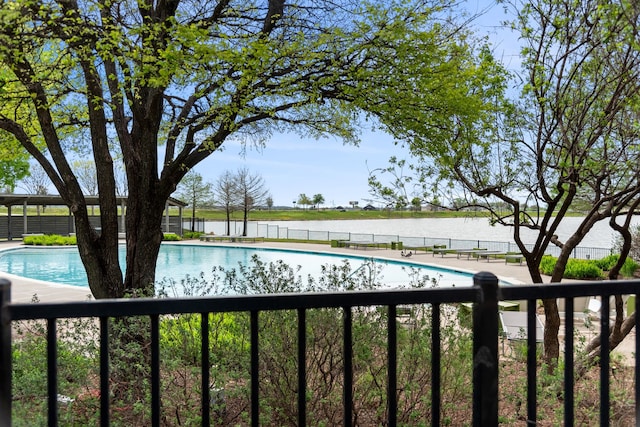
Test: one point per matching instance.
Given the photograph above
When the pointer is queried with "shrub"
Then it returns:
(181, 336)
(76, 365)
(192, 234)
(627, 270)
(547, 264)
(607, 262)
(49, 240)
(229, 343)
(575, 269)
(170, 237)
(582, 269)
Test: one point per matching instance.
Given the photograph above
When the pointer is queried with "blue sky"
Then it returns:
(291, 165)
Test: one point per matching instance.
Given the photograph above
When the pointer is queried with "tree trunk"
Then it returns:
(552, 318)
(99, 254)
(621, 327)
(245, 221)
(617, 333)
(551, 328)
(144, 236)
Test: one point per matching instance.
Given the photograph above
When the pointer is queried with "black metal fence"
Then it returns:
(485, 294)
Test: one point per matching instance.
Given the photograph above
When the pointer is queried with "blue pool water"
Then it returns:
(63, 265)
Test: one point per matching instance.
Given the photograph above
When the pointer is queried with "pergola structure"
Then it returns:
(25, 200)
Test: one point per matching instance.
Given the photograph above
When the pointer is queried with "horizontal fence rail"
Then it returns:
(485, 296)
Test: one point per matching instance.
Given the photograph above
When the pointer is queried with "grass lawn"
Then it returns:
(277, 214)
(328, 214)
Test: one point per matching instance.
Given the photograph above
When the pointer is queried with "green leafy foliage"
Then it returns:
(607, 263)
(76, 364)
(49, 240)
(192, 234)
(588, 269)
(14, 161)
(173, 237)
(575, 269)
(628, 268)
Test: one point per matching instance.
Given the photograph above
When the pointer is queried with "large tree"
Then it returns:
(570, 141)
(317, 200)
(226, 196)
(37, 181)
(163, 84)
(304, 200)
(85, 172)
(251, 193)
(196, 191)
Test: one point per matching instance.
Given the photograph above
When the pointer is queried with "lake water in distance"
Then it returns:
(600, 236)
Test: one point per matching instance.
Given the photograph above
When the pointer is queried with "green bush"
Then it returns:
(547, 264)
(582, 269)
(50, 240)
(76, 365)
(192, 234)
(607, 262)
(627, 270)
(181, 336)
(170, 237)
(575, 269)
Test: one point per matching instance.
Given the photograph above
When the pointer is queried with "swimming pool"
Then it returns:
(176, 261)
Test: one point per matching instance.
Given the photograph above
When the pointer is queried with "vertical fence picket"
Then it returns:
(604, 361)
(302, 367)
(568, 363)
(532, 405)
(348, 367)
(155, 370)
(255, 371)
(52, 371)
(104, 371)
(206, 372)
(485, 351)
(5, 352)
(435, 365)
(392, 362)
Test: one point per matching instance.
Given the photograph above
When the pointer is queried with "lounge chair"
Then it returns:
(514, 328)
